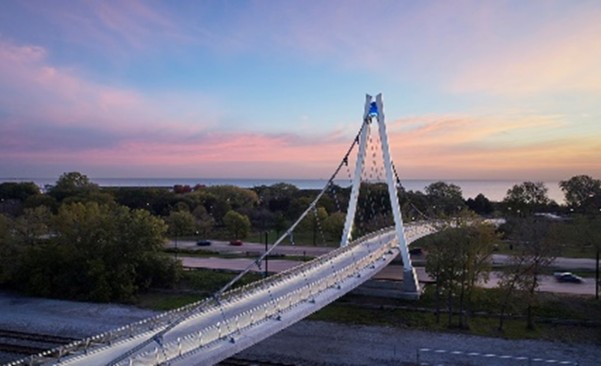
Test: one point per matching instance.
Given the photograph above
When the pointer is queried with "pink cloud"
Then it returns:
(495, 147)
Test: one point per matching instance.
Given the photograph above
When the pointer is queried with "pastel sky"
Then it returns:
(275, 89)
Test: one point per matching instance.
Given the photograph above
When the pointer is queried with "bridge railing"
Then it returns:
(265, 311)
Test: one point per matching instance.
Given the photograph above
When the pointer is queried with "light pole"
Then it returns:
(266, 261)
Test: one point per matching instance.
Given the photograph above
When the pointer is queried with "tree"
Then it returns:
(98, 253)
(480, 205)
(237, 224)
(204, 221)
(536, 245)
(72, 184)
(334, 224)
(445, 199)
(9, 251)
(33, 225)
(20, 191)
(523, 199)
(238, 199)
(314, 222)
(458, 258)
(277, 197)
(181, 223)
(580, 189)
(584, 232)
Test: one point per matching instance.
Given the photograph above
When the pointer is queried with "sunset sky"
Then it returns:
(275, 89)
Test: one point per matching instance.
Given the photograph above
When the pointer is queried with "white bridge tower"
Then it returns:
(375, 110)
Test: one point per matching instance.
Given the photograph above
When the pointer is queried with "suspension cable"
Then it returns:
(158, 336)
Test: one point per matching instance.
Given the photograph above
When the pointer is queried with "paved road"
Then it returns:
(311, 251)
(560, 262)
(392, 272)
(253, 248)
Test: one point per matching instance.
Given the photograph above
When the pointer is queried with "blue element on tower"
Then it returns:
(373, 110)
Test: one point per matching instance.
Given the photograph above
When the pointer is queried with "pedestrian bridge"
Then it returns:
(212, 330)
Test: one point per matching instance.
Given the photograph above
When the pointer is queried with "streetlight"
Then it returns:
(266, 262)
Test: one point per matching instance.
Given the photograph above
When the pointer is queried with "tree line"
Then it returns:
(78, 240)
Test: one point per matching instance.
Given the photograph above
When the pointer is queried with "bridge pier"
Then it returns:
(411, 288)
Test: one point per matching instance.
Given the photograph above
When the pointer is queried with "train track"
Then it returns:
(25, 343)
(237, 361)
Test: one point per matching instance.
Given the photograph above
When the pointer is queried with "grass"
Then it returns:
(164, 301)
(568, 251)
(420, 315)
(194, 286)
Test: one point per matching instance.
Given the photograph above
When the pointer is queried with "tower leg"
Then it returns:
(352, 206)
(410, 282)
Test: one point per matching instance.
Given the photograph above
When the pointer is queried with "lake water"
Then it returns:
(494, 190)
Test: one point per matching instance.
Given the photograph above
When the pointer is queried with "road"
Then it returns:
(559, 263)
(311, 251)
(547, 283)
(253, 248)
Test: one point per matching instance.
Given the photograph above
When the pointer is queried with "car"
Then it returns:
(567, 277)
(236, 243)
(203, 243)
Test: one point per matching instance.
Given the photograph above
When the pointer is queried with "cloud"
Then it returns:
(562, 55)
(494, 147)
(35, 93)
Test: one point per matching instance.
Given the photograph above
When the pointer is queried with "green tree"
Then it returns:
(237, 224)
(458, 258)
(9, 251)
(584, 232)
(42, 200)
(239, 199)
(314, 222)
(580, 189)
(19, 191)
(480, 205)
(333, 226)
(445, 199)
(33, 225)
(525, 198)
(204, 221)
(536, 245)
(181, 223)
(72, 184)
(98, 253)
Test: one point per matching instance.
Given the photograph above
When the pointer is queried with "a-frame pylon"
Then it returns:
(375, 110)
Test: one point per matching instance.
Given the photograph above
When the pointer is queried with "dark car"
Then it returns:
(567, 277)
(236, 242)
(203, 243)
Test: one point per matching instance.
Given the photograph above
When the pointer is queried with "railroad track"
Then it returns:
(236, 361)
(29, 343)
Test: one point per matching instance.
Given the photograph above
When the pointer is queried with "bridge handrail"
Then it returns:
(303, 294)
